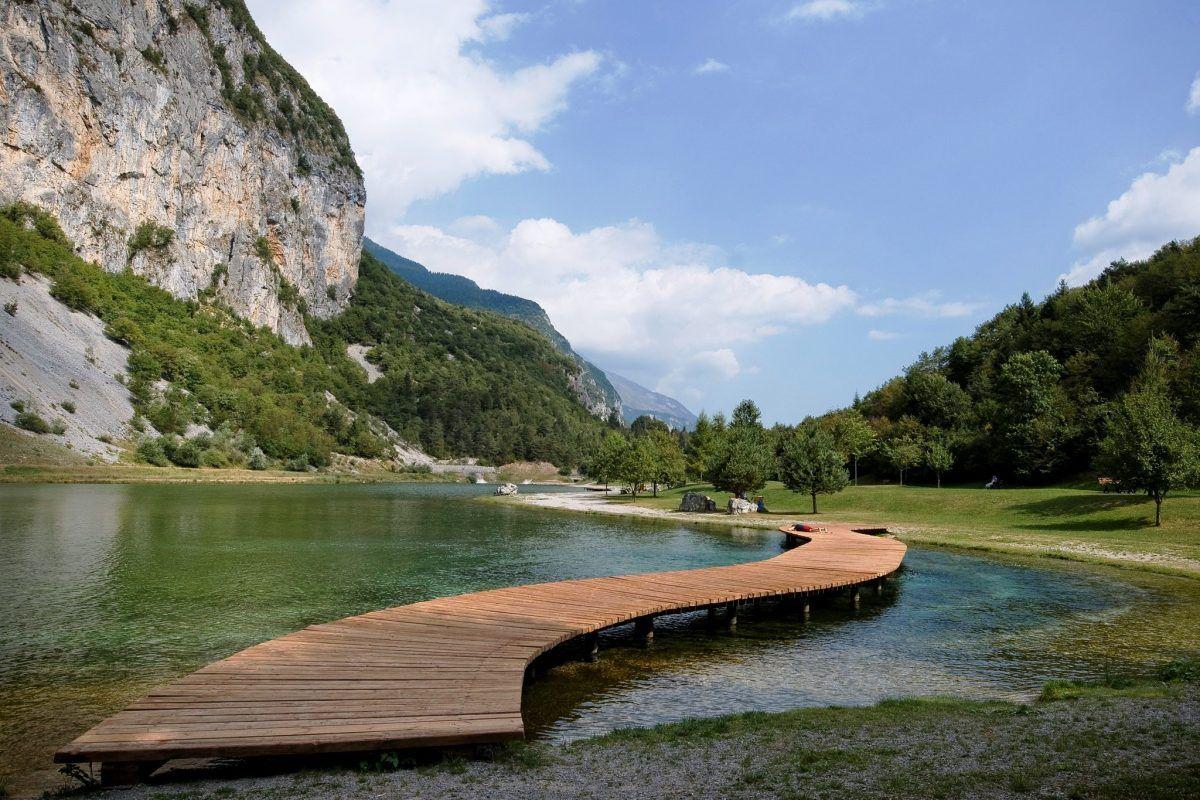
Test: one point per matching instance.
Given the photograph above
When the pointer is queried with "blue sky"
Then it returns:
(780, 200)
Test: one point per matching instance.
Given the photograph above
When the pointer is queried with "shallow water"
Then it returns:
(107, 591)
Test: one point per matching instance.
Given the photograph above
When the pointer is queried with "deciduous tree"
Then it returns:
(810, 462)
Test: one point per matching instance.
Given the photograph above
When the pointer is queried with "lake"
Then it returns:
(107, 591)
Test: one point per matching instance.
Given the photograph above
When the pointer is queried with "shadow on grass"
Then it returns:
(1084, 506)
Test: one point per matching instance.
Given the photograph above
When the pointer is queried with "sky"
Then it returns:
(785, 200)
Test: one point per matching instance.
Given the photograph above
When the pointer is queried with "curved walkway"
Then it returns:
(440, 672)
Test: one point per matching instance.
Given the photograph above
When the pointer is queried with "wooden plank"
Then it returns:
(438, 672)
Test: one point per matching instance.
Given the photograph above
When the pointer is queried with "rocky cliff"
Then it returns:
(170, 139)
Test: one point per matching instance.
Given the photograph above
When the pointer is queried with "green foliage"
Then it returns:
(68, 406)
(701, 447)
(852, 435)
(262, 249)
(1027, 396)
(811, 463)
(458, 381)
(668, 465)
(605, 463)
(10, 308)
(743, 458)
(156, 58)
(937, 458)
(1148, 448)
(149, 235)
(151, 450)
(29, 421)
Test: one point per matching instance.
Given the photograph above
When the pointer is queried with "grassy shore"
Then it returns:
(1115, 742)
(1070, 523)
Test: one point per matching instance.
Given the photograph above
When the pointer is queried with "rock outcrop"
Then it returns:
(170, 139)
(505, 489)
(737, 505)
(696, 502)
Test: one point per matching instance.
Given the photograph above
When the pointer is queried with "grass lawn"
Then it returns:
(1081, 524)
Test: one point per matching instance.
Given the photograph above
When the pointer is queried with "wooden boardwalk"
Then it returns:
(441, 672)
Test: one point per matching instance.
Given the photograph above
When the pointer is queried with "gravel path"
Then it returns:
(1093, 747)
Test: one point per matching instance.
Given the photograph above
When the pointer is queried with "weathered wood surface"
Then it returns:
(441, 672)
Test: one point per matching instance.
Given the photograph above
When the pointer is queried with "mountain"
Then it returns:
(86, 349)
(594, 389)
(637, 400)
(170, 139)
(180, 219)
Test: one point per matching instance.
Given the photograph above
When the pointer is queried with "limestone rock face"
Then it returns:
(179, 120)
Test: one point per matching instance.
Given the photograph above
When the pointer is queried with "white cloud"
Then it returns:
(701, 369)
(710, 67)
(882, 336)
(1156, 208)
(619, 290)
(1193, 103)
(928, 304)
(826, 10)
(424, 108)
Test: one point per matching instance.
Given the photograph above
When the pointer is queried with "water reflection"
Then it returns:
(108, 591)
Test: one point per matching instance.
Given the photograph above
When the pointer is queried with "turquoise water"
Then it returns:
(110, 590)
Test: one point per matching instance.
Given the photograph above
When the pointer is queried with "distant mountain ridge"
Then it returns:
(637, 400)
(594, 389)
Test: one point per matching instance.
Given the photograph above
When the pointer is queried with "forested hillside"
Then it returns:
(458, 381)
(1029, 395)
(593, 388)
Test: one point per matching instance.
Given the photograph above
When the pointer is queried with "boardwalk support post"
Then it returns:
(643, 630)
(592, 647)
(126, 773)
(806, 610)
(730, 616)
(855, 597)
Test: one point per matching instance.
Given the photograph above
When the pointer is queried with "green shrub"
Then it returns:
(149, 236)
(184, 453)
(68, 406)
(152, 450)
(262, 249)
(31, 422)
(58, 427)
(299, 464)
(156, 59)
(213, 457)
(17, 405)
(123, 330)
(258, 459)
(11, 308)
(74, 291)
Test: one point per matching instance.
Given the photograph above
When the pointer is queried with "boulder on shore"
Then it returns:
(697, 502)
(739, 506)
(506, 488)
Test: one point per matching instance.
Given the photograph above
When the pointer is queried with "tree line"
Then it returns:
(1099, 379)
(738, 456)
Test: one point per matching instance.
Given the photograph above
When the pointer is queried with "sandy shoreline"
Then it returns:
(1068, 548)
